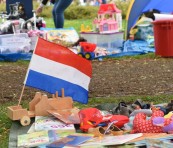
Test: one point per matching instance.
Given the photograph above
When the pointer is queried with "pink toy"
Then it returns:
(109, 19)
(33, 33)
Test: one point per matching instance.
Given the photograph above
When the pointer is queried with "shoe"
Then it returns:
(122, 109)
(169, 107)
(139, 103)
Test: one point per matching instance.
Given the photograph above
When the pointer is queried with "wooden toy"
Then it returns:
(38, 107)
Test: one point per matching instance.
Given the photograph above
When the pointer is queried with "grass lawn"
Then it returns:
(76, 24)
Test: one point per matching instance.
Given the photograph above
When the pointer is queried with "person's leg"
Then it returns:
(54, 13)
(58, 11)
(103, 1)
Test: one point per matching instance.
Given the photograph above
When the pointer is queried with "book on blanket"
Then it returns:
(52, 123)
(69, 116)
(153, 138)
(70, 140)
(41, 138)
(33, 139)
(111, 140)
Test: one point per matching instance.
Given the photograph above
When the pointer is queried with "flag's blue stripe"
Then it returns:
(52, 84)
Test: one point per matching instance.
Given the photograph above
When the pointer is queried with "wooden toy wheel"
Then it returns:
(25, 120)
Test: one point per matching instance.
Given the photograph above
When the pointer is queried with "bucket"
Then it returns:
(163, 37)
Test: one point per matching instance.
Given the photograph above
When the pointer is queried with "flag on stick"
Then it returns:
(53, 67)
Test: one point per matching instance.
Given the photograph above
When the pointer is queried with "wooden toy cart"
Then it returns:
(38, 107)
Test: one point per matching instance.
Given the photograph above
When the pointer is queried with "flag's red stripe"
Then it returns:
(62, 55)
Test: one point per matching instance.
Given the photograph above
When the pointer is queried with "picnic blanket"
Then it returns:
(131, 48)
(17, 129)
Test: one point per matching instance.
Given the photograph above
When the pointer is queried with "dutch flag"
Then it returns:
(53, 67)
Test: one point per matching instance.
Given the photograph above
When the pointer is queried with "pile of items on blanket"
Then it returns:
(17, 27)
(139, 124)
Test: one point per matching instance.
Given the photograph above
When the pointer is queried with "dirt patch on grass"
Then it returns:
(111, 78)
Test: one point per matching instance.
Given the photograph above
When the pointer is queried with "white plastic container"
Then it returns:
(111, 41)
(15, 43)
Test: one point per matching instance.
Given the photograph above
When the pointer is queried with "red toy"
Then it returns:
(92, 117)
(142, 125)
(87, 50)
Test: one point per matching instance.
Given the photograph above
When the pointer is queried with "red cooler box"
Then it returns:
(163, 37)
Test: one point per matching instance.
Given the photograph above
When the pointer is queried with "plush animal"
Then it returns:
(141, 125)
(166, 122)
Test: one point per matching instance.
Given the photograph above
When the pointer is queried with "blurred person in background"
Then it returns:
(104, 2)
(57, 12)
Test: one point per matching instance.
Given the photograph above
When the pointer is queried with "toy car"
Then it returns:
(87, 50)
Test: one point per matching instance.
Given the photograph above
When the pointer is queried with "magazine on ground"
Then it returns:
(111, 140)
(70, 140)
(68, 116)
(148, 138)
(32, 139)
(41, 138)
(52, 123)
(31, 129)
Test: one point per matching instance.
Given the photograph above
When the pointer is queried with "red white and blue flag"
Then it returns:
(53, 67)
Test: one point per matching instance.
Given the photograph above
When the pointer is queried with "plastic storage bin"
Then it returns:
(15, 43)
(111, 41)
(163, 38)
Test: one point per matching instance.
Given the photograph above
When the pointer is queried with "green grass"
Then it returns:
(5, 124)
(76, 24)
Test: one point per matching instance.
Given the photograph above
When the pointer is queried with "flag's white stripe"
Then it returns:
(59, 70)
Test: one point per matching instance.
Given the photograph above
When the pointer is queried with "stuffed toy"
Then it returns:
(155, 124)
(166, 122)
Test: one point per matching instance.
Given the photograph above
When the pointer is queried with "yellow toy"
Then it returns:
(85, 28)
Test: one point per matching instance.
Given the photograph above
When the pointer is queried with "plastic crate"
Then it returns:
(111, 41)
(15, 43)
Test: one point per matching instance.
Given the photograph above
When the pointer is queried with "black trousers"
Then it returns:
(28, 5)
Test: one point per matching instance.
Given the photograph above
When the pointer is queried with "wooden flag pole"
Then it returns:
(21, 95)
